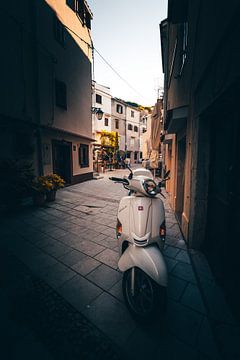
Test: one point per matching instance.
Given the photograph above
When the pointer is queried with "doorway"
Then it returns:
(181, 155)
(62, 159)
(222, 245)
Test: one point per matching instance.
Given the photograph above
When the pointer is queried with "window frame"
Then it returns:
(60, 94)
(100, 97)
(130, 127)
(116, 124)
(106, 121)
(59, 31)
(83, 158)
(132, 113)
(135, 128)
(118, 106)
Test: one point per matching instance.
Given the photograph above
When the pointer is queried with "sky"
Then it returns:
(126, 33)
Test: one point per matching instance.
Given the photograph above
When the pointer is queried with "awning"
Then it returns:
(176, 120)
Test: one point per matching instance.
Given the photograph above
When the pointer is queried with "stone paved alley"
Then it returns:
(62, 294)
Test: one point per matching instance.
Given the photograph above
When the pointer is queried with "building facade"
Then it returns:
(119, 123)
(46, 108)
(133, 133)
(201, 115)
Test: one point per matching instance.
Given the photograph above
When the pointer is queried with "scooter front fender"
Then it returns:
(149, 259)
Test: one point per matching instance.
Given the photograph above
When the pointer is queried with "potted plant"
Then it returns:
(56, 183)
(40, 187)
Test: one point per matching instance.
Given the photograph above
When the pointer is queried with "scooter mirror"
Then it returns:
(167, 174)
(130, 176)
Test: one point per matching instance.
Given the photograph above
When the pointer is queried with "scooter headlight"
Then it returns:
(118, 229)
(150, 187)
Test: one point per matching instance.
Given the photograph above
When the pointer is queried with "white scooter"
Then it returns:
(141, 235)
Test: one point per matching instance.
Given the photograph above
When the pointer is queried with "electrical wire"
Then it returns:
(117, 73)
(106, 62)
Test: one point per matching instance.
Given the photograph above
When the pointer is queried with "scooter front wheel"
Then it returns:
(145, 299)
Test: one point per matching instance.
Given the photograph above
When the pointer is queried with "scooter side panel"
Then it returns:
(158, 216)
(148, 259)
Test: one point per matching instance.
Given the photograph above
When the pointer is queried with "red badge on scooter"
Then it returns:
(140, 208)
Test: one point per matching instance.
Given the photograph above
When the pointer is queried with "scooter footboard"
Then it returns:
(149, 259)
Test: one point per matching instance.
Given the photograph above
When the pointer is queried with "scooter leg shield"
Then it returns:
(149, 259)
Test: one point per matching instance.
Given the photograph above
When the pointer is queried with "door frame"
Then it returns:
(69, 145)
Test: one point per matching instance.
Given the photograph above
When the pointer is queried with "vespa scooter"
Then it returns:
(141, 235)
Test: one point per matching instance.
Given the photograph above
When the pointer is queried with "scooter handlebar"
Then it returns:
(120, 180)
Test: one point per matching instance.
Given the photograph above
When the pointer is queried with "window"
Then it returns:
(132, 113)
(88, 19)
(59, 31)
(119, 109)
(80, 9)
(144, 130)
(61, 94)
(98, 99)
(83, 155)
(116, 124)
(71, 4)
(135, 128)
(135, 155)
(106, 121)
(130, 127)
(132, 141)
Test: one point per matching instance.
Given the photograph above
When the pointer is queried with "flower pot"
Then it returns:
(51, 195)
(39, 199)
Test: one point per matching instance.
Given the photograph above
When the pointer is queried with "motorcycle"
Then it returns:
(141, 233)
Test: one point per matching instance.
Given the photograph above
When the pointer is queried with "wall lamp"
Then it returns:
(98, 112)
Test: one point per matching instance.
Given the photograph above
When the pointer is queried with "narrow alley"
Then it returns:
(61, 263)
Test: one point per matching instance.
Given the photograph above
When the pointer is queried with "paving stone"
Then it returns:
(216, 303)
(192, 298)
(229, 337)
(86, 265)
(171, 251)
(79, 292)
(104, 276)
(56, 249)
(88, 247)
(116, 291)
(184, 271)
(39, 263)
(108, 257)
(56, 234)
(171, 348)
(206, 342)
(171, 263)
(183, 322)
(112, 317)
(183, 256)
(175, 287)
(72, 257)
(142, 344)
(57, 275)
(70, 239)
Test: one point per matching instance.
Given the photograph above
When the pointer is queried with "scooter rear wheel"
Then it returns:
(148, 301)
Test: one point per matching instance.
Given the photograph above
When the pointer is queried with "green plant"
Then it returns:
(56, 181)
(47, 183)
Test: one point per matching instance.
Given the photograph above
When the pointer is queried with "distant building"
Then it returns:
(133, 133)
(101, 99)
(45, 107)
(119, 122)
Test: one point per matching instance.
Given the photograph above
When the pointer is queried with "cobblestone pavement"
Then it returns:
(68, 251)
